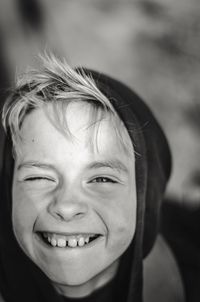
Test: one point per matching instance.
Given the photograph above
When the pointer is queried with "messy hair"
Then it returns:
(57, 84)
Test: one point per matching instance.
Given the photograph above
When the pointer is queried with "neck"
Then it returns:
(87, 288)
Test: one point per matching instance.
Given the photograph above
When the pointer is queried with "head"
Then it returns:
(74, 196)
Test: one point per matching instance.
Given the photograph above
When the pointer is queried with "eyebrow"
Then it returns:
(30, 164)
(113, 164)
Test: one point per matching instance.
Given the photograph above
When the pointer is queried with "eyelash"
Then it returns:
(99, 179)
(38, 178)
(107, 180)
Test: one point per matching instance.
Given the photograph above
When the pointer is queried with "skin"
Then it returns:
(64, 186)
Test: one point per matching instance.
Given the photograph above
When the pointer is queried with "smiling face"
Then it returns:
(74, 207)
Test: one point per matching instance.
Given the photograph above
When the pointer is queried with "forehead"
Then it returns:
(79, 126)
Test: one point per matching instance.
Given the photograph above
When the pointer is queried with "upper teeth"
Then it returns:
(63, 241)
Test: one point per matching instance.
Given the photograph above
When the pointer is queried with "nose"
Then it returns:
(65, 206)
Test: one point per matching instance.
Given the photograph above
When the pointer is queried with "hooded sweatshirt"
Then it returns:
(21, 280)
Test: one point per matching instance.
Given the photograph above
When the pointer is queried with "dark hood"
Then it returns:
(21, 280)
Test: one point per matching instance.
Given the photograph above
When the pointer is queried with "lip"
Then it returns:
(38, 237)
(67, 234)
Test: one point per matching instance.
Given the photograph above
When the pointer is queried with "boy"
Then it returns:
(90, 165)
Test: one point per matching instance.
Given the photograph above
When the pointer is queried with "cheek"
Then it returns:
(119, 214)
(124, 220)
(24, 210)
(121, 227)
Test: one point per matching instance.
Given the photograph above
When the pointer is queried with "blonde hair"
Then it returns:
(57, 84)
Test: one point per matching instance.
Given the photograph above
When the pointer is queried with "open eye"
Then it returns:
(102, 179)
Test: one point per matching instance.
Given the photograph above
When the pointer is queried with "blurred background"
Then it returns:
(152, 45)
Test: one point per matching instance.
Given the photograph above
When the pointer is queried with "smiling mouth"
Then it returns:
(71, 241)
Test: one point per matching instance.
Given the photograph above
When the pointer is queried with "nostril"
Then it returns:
(58, 215)
(65, 210)
(79, 215)
(66, 216)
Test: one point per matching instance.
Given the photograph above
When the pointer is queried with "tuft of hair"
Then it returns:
(56, 83)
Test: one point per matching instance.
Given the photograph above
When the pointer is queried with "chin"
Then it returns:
(70, 277)
(81, 277)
